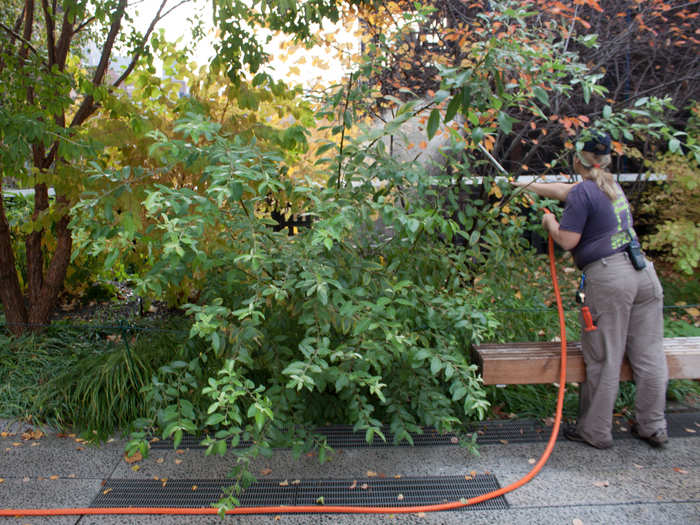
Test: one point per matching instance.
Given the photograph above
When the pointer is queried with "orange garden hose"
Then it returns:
(330, 509)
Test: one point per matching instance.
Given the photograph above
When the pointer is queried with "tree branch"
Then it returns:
(28, 26)
(50, 31)
(88, 106)
(139, 50)
(19, 37)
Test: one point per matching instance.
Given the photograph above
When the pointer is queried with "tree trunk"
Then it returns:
(44, 300)
(10, 290)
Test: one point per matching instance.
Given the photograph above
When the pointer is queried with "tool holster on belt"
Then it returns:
(588, 325)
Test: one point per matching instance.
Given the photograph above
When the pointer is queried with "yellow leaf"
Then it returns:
(371, 474)
(495, 190)
(135, 468)
(54, 477)
(107, 491)
(194, 487)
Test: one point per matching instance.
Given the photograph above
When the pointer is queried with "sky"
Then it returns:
(299, 69)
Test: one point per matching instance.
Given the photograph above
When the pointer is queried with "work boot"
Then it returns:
(571, 434)
(657, 440)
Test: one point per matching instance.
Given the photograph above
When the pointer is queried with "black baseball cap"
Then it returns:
(599, 144)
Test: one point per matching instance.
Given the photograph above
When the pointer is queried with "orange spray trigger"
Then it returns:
(588, 320)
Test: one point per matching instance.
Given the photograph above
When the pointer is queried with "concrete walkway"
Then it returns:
(628, 484)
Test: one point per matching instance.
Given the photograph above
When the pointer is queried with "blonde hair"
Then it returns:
(597, 172)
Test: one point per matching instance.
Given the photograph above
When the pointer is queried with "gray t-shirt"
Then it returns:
(602, 224)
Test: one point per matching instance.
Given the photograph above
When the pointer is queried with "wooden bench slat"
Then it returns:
(539, 362)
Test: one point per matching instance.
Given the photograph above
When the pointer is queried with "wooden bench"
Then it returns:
(539, 362)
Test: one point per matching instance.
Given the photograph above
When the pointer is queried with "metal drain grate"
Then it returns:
(488, 432)
(683, 424)
(402, 492)
(343, 436)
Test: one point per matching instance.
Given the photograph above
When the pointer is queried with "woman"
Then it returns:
(625, 303)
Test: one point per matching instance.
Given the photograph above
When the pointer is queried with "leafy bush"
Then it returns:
(341, 323)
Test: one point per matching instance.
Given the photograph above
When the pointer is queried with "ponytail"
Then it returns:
(597, 172)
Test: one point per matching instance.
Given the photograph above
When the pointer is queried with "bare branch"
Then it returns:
(19, 37)
(84, 24)
(142, 45)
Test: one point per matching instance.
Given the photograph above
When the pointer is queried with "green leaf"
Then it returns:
(674, 145)
(541, 95)
(459, 393)
(505, 122)
(433, 123)
(177, 438)
(452, 108)
(435, 365)
(214, 419)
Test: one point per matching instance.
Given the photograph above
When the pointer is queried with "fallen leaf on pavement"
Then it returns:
(354, 484)
(194, 487)
(54, 477)
(504, 441)
(371, 474)
(690, 430)
(266, 471)
(605, 483)
(284, 483)
(576, 521)
(638, 466)
(133, 458)
(296, 482)
(178, 461)
(107, 491)
(135, 468)
(680, 470)
(160, 460)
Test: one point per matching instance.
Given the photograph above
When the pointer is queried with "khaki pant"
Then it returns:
(627, 307)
